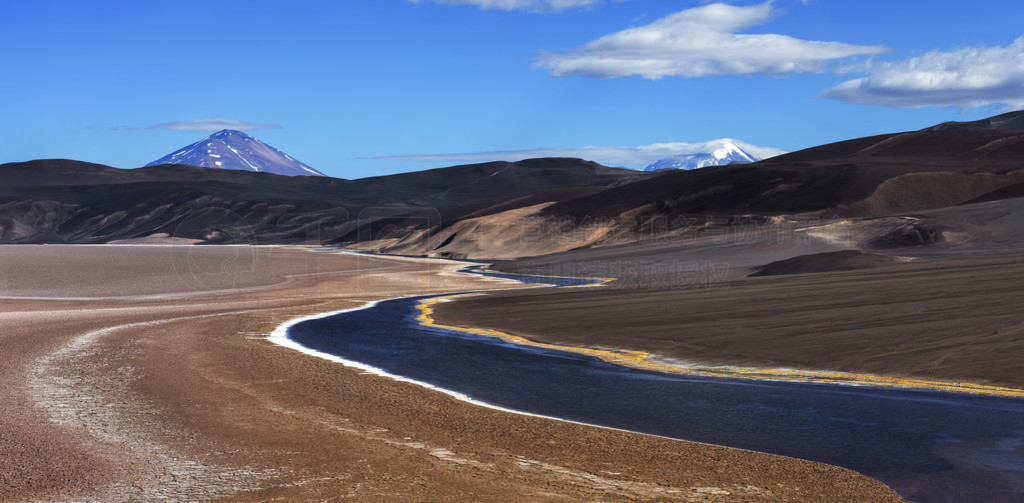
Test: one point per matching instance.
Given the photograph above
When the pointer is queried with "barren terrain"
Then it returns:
(140, 373)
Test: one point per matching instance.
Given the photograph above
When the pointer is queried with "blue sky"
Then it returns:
(365, 87)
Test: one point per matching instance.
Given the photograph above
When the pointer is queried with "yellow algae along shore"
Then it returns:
(140, 373)
(642, 360)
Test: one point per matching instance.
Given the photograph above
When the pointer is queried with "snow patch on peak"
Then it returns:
(713, 153)
(731, 151)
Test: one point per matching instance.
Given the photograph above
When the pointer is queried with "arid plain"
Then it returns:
(140, 373)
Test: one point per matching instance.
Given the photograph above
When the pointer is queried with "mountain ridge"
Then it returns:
(66, 201)
(510, 209)
(1007, 121)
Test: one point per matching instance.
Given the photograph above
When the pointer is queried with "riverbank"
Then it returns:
(151, 377)
(646, 361)
(932, 323)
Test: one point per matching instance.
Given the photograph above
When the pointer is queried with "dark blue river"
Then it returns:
(928, 446)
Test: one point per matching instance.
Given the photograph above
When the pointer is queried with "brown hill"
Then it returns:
(862, 178)
(75, 202)
(829, 177)
(510, 210)
(1011, 120)
(846, 260)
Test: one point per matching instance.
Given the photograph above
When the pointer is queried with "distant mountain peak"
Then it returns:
(716, 153)
(230, 149)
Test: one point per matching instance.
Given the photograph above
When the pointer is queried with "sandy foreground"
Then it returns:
(143, 373)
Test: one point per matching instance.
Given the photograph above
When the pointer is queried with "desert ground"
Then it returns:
(144, 373)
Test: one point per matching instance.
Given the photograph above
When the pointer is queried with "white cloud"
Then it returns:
(700, 42)
(212, 125)
(530, 5)
(607, 155)
(964, 78)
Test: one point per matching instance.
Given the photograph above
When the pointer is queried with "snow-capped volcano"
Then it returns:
(230, 149)
(725, 153)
